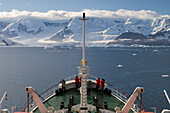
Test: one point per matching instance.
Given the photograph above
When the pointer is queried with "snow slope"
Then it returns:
(42, 32)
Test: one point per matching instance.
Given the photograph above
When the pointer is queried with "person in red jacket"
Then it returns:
(77, 82)
(97, 83)
(102, 83)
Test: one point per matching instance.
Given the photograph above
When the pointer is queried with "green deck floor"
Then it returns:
(56, 100)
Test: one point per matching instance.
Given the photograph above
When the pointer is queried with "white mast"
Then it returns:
(84, 19)
(83, 74)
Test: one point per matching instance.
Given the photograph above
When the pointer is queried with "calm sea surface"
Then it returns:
(39, 68)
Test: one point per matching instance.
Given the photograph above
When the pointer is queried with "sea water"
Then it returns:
(141, 67)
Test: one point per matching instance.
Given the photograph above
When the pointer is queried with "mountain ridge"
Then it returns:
(42, 32)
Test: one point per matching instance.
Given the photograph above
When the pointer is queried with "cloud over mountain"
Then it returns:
(61, 14)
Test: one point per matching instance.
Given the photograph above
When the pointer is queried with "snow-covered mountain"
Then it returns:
(99, 30)
(7, 42)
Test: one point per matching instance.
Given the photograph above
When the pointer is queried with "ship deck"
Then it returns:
(102, 97)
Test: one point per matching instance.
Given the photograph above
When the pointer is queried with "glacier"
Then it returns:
(100, 31)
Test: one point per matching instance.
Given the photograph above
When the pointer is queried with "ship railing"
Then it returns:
(50, 92)
(123, 97)
(89, 77)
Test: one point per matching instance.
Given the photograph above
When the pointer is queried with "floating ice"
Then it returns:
(119, 66)
(165, 76)
(155, 50)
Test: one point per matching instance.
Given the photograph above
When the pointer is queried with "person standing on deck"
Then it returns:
(63, 82)
(97, 83)
(89, 85)
(102, 83)
(77, 82)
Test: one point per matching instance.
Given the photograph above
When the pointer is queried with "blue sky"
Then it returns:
(160, 6)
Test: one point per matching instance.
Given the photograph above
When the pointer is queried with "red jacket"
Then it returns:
(97, 82)
(102, 83)
(76, 80)
(80, 79)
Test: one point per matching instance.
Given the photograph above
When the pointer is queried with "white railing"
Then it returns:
(73, 76)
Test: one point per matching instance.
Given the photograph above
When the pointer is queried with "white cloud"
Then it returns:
(60, 14)
(0, 3)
